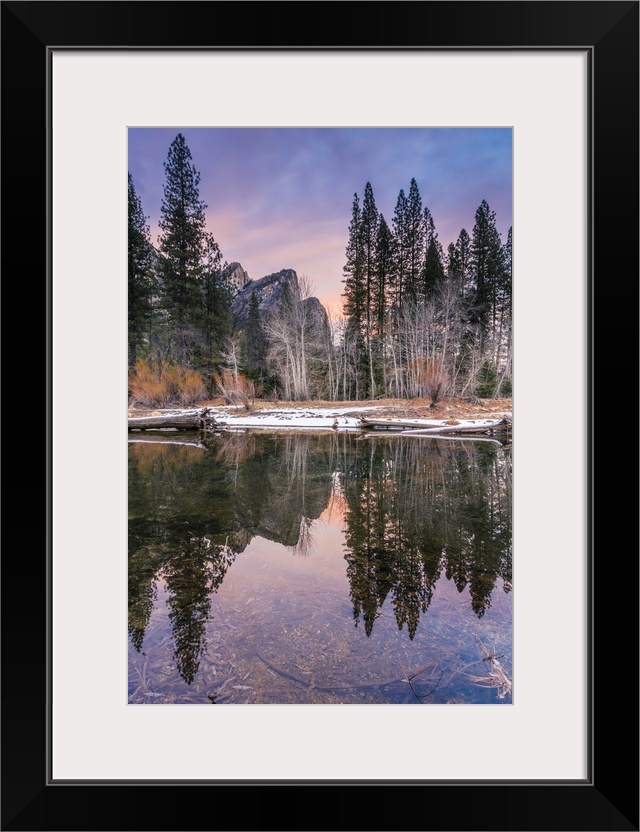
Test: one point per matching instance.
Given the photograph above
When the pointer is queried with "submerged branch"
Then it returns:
(497, 678)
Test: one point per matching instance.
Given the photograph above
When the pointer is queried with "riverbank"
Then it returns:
(346, 415)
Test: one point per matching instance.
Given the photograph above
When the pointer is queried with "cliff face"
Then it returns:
(316, 312)
(235, 276)
(270, 292)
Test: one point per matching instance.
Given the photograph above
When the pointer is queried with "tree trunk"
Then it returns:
(195, 420)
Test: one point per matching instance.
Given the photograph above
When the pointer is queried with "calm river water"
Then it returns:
(304, 568)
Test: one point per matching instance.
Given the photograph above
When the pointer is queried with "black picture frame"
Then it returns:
(608, 798)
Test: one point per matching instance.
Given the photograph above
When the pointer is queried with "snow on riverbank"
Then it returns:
(346, 418)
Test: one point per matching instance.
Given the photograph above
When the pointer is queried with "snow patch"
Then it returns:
(318, 418)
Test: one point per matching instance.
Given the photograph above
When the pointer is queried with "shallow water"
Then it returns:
(316, 568)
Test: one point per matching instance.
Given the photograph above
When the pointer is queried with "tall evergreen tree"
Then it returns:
(429, 228)
(505, 285)
(255, 340)
(182, 244)
(504, 325)
(213, 316)
(140, 274)
(401, 249)
(415, 239)
(355, 297)
(463, 256)
(486, 258)
(382, 291)
(354, 287)
(433, 268)
(369, 234)
(453, 262)
(384, 276)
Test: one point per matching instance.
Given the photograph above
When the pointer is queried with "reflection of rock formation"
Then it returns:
(242, 484)
(415, 511)
(277, 487)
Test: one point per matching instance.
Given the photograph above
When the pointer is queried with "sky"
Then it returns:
(281, 198)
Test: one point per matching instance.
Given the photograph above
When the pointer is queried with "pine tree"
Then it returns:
(382, 290)
(463, 256)
(453, 263)
(433, 269)
(354, 288)
(400, 245)
(415, 239)
(486, 259)
(355, 296)
(369, 234)
(384, 276)
(140, 274)
(213, 316)
(182, 244)
(429, 228)
(504, 333)
(505, 283)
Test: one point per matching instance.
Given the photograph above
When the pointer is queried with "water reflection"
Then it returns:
(415, 512)
(192, 574)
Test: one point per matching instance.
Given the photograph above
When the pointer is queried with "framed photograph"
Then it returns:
(83, 83)
(323, 517)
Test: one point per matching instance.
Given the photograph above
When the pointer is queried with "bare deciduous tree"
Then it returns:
(293, 349)
(235, 387)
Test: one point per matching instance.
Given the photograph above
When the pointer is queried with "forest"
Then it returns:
(416, 320)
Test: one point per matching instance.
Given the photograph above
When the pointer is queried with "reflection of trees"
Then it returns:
(193, 573)
(478, 545)
(142, 591)
(306, 538)
(416, 509)
(185, 505)
(175, 533)
(192, 569)
(237, 449)
(149, 455)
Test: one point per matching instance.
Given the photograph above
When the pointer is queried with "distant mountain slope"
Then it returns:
(269, 292)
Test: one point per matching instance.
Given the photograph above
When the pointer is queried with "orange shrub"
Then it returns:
(236, 388)
(431, 377)
(192, 387)
(167, 384)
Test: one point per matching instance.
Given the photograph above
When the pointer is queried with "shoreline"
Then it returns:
(342, 415)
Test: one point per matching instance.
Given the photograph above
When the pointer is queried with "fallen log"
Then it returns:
(490, 429)
(485, 428)
(194, 420)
